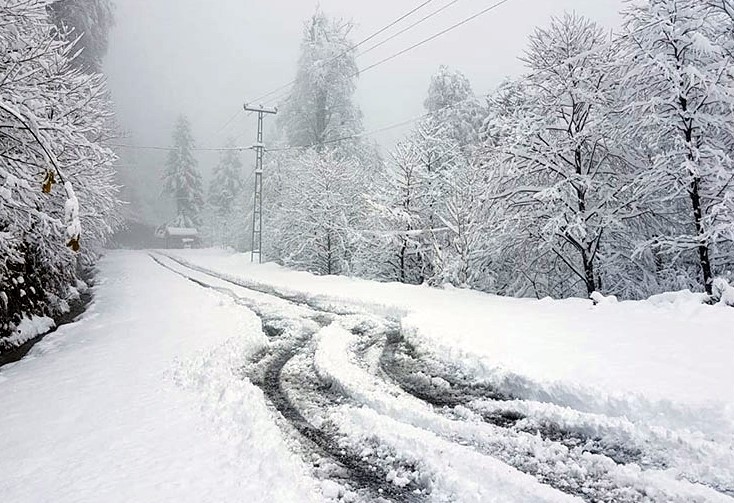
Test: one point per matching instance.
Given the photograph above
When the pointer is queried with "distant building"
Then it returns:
(179, 237)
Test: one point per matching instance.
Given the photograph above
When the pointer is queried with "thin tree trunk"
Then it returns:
(403, 250)
(694, 193)
(703, 248)
(588, 263)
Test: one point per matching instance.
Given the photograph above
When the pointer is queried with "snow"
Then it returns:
(181, 231)
(668, 361)
(146, 399)
(141, 401)
(28, 328)
(470, 472)
(412, 427)
(71, 212)
(723, 291)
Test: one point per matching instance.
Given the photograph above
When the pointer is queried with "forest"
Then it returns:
(607, 166)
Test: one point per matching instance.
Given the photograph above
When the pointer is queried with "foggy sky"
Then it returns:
(206, 58)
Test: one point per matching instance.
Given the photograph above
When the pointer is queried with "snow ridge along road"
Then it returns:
(375, 418)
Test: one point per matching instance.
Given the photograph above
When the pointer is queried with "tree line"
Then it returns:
(606, 166)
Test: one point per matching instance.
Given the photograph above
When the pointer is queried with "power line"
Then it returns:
(426, 40)
(351, 48)
(433, 37)
(380, 129)
(229, 121)
(409, 27)
(416, 118)
(351, 136)
(156, 147)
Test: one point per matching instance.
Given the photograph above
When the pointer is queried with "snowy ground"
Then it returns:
(201, 377)
(139, 402)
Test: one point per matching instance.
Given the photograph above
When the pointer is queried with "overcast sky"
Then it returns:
(205, 58)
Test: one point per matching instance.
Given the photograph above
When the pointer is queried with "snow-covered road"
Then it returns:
(192, 382)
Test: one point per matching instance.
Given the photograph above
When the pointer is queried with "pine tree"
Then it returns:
(228, 181)
(182, 180)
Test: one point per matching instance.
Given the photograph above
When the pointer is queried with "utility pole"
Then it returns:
(257, 212)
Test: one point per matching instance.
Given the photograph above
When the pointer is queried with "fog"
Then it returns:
(205, 59)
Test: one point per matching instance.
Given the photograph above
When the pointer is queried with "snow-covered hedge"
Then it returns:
(57, 196)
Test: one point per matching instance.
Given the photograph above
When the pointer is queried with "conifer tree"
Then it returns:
(182, 180)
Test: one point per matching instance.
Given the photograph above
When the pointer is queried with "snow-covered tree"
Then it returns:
(228, 220)
(320, 107)
(182, 180)
(681, 117)
(452, 104)
(437, 152)
(57, 197)
(566, 186)
(89, 21)
(314, 226)
(228, 181)
(398, 212)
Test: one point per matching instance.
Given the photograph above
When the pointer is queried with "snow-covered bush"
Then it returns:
(723, 292)
(57, 197)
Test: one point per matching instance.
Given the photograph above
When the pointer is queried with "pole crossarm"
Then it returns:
(260, 109)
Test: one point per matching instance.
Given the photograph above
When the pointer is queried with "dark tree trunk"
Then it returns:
(588, 262)
(694, 193)
(703, 248)
(590, 277)
(403, 250)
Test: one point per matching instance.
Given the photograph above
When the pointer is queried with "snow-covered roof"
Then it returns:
(182, 231)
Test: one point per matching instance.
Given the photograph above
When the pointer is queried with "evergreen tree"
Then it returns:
(228, 181)
(182, 180)
(228, 219)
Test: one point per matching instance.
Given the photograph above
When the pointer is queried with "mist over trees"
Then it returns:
(87, 22)
(181, 179)
(58, 202)
(606, 167)
(315, 186)
(228, 210)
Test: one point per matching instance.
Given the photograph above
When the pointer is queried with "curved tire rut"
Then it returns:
(442, 387)
(361, 474)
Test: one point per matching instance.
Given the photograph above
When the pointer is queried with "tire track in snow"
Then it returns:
(454, 391)
(366, 476)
